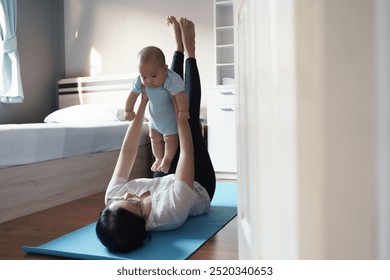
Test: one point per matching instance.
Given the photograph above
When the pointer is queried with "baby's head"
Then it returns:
(152, 67)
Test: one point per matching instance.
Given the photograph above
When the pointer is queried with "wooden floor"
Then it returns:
(43, 226)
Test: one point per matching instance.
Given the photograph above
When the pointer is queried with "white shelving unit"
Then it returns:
(221, 110)
(224, 41)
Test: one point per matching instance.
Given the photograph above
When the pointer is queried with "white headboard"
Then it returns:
(108, 89)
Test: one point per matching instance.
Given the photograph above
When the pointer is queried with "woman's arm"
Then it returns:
(182, 105)
(185, 166)
(130, 143)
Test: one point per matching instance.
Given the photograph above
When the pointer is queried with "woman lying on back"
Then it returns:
(135, 207)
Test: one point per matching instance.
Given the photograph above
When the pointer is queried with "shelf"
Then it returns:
(225, 64)
(224, 40)
(224, 36)
(225, 55)
(224, 14)
(223, 2)
(221, 98)
(224, 71)
(229, 27)
(225, 46)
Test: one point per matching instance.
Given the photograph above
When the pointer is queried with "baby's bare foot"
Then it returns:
(188, 36)
(156, 165)
(165, 165)
(174, 27)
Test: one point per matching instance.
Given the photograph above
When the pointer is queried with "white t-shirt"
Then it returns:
(173, 201)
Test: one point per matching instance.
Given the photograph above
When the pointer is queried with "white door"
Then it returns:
(267, 224)
(246, 119)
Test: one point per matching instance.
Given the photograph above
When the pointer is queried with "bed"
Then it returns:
(72, 154)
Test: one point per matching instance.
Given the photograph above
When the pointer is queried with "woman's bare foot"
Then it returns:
(174, 27)
(188, 36)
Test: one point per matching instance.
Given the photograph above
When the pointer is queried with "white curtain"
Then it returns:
(11, 90)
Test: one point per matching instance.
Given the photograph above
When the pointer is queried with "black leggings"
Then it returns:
(204, 170)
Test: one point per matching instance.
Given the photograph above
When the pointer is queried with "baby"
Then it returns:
(165, 90)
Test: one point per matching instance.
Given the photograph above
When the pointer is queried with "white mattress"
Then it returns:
(30, 143)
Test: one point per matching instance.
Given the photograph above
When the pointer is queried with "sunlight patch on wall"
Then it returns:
(95, 62)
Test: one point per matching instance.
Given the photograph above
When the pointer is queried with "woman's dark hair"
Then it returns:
(120, 230)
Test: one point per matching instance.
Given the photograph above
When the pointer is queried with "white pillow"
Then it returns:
(84, 113)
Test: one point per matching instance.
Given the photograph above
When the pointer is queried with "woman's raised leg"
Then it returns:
(204, 170)
(185, 41)
(178, 56)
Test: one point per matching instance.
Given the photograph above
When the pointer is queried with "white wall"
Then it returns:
(40, 45)
(382, 54)
(118, 29)
(317, 176)
(336, 109)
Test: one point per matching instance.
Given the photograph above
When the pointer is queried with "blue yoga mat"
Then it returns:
(176, 244)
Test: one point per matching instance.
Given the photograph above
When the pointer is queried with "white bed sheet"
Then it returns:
(30, 143)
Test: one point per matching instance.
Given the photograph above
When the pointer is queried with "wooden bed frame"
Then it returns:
(111, 90)
(30, 188)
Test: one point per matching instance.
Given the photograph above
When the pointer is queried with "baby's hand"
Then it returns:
(129, 115)
(183, 115)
